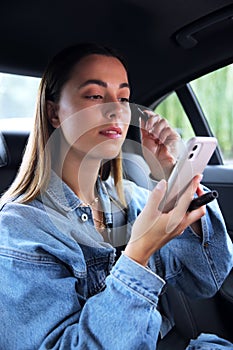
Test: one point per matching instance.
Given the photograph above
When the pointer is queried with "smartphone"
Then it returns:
(193, 160)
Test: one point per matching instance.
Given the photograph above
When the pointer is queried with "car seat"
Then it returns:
(11, 149)
(3, 151)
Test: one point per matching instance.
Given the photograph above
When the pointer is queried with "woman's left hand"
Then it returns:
(159, 145)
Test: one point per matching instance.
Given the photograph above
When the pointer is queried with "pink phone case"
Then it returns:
(193, 160)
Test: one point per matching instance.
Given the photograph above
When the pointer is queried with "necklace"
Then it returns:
(99, 224)
(95, 200)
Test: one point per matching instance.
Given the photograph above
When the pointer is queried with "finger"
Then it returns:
(200, 190)
(142, 123)
(150, 114)
(147, 135)
(188, 194)
(168, 136)
(150, 214)
(155, 125)
(142, 126)
(153, 121)
(157, 195)
(180, 211)
(162, 132)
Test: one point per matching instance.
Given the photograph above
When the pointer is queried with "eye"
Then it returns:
(94, 97)
(124, 99)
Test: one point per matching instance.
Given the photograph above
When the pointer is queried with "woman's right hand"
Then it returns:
(153, 229)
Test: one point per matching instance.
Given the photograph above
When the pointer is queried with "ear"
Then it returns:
(52, 112)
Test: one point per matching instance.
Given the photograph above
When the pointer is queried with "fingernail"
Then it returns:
(161, 185)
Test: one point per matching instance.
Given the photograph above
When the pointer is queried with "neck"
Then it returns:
(80, 175)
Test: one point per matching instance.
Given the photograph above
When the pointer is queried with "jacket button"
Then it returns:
(84, 217)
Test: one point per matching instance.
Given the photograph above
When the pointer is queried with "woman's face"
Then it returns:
(93, 111)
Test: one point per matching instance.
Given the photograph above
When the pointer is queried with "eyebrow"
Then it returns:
(101, 83)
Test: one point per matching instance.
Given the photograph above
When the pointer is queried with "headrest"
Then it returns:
(3, 151)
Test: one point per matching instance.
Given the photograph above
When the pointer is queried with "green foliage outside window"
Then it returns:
(172, 110)
(215, 94)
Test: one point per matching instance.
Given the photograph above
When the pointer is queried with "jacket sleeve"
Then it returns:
(41, 307)
(198, 265)
(125, 313)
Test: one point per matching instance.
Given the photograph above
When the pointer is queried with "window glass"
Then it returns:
(172, 110)
(17, 101)
(215, 94)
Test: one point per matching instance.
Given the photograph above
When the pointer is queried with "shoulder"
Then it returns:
(17, 217)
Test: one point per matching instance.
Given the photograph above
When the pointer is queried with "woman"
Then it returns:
(61, 286)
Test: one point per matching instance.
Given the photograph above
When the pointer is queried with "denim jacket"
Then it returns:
(60, 287)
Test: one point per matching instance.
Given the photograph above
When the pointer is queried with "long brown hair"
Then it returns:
(35, 169)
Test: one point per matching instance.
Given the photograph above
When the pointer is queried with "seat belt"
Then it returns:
(119, 228)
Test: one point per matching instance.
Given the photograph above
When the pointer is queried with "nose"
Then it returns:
(111, 115)
(112, 110)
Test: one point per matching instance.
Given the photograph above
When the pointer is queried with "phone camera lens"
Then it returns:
(191, 156)
(194, 148)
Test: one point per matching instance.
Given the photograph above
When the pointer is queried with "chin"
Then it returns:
(106, 150)
(108, 155)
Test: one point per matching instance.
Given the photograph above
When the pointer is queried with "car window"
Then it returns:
(215, 94)
(171, 109)
(17, 101)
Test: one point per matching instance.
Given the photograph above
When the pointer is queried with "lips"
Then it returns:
(112, 132)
